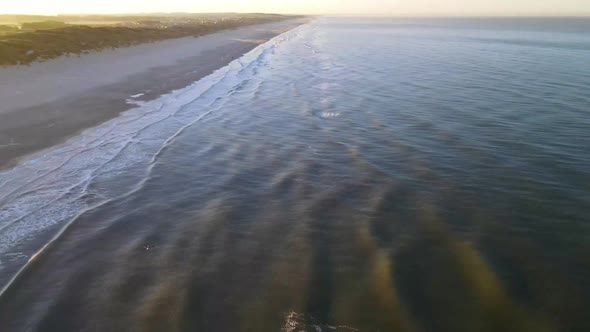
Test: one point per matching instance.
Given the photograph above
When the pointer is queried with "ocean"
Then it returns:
(352, 174)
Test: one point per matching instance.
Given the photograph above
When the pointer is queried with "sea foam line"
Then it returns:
(199, 97)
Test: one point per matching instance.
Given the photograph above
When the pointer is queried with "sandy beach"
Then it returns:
(45, 103)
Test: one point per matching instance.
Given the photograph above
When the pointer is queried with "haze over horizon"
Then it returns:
(323, 7)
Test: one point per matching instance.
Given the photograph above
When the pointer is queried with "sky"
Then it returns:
(335, 7)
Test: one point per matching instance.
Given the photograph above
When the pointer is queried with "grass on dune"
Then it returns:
(42, 44)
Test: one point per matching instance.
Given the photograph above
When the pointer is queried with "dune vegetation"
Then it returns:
(42, 40)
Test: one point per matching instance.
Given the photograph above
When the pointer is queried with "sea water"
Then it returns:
(351, 174)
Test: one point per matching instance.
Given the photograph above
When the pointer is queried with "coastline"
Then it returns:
(46, 103)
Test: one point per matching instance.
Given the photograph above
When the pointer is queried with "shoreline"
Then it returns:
(49, 102)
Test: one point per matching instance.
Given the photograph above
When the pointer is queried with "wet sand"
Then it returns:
(45, 103)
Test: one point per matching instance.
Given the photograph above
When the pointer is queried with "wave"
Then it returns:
(55, 186)
(550, 44)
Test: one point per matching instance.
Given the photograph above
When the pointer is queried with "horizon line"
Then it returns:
(408, 15)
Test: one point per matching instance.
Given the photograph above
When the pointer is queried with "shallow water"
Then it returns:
(351, 174)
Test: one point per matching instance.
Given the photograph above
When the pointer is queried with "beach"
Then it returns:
(350, 174)
(47, 102)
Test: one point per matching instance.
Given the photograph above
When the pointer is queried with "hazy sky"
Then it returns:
(378, 7)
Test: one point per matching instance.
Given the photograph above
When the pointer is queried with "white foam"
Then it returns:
(54, 186)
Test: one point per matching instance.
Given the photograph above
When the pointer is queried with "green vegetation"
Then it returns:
(43, 25)
(8, 29)
(47, 39)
